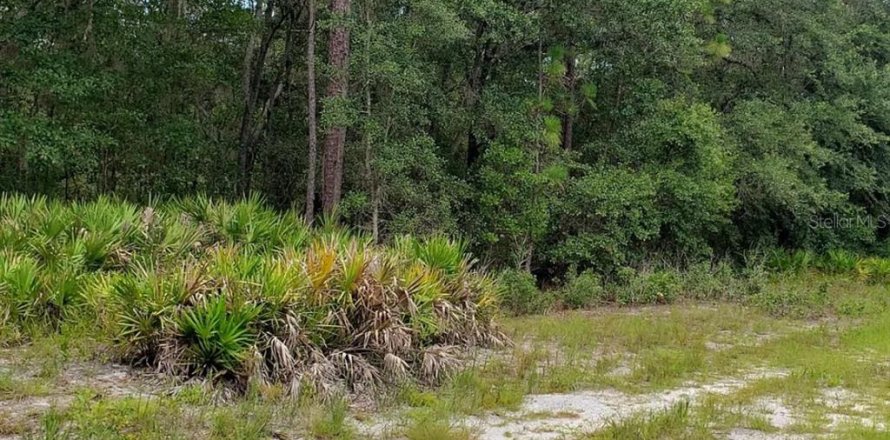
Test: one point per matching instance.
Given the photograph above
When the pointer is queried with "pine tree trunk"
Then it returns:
(476, 81)
(369, 154)
(338, 88)
(250, 96)
(313, 127)
(568, 121)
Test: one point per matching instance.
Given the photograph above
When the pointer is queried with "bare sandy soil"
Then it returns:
(28, 392)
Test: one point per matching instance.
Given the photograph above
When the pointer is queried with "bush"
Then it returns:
(798, 261)
(241, 292)
(839, 262)
(651, 287)
(801, 301)
(582, 290)
(875, 270)
(720, 281)
(521, 295)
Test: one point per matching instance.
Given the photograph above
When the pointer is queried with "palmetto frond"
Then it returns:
(201, 287)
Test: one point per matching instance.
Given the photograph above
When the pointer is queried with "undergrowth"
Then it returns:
(240, 293)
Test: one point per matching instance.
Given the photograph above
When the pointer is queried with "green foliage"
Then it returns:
(332, 422)
(521, 295)
(722, 281)
(582, 290)
(801, 301)
(512, 203)
(672, 423)
(839, 261)
(603, 216)
(246, 294)
(790, 261)
(439, 253)
(547, 135)
(217, 340)
(875, 269)
(413, 191)
(651, 287)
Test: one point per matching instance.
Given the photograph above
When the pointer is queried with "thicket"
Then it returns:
(552, 136)
(774, 279)
(240, 293)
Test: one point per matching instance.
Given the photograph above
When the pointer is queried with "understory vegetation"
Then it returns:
(422, 219)
(222, 297)
(557, 138)
(237, 292)
(724, 281)
(818, 359)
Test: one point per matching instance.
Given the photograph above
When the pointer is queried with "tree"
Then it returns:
(546, 133)
(337, 94)
(311, 100)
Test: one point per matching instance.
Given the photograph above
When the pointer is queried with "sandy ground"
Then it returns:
(553, 416)
(105, 380)
(540, 417)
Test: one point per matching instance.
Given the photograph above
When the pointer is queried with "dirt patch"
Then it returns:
(751, 434)
(848, 408)
(778, 415)
(595, 409)
(29, 397)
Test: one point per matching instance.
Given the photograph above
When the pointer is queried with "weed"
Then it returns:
(582, 291)
(332, 422)
(656, 287)
(521, 295)
(839, 262)
(429, 425)
(673, 423)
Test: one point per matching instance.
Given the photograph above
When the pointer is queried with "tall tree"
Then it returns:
(568, 120)
(254, 116)
(313, 126)
(337, 92)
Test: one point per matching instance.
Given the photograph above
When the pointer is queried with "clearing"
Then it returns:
(690, 370)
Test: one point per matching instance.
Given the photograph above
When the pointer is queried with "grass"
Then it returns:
(839, 351)
(290, 320)
(331, 422)
(673, 423)
(833, 337)
(823, 345)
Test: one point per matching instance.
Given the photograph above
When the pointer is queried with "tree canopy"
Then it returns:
(548, 134)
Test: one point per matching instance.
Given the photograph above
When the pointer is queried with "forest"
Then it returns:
(549, 135)
(444, 219)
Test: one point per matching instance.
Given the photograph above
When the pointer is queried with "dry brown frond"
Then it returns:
(282, 361)
(437, 362)
(358, 372)
(395, 368)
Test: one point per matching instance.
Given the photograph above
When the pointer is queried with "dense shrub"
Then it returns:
(650, 287)
(835, 262)
(237, 291)
(781, 260)
(876, 270)
(722, 281)
(793, 300)
(838, 262)
(582, 290)
(521, 295)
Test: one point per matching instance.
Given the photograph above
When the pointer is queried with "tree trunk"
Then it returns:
(370, 178)
(250, 96)
(313, 127)
(252, 124)
(476, 81)
(338, 89)
(568, 121)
